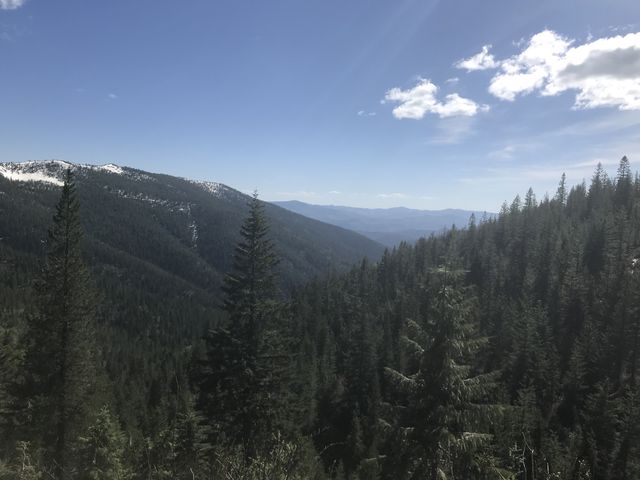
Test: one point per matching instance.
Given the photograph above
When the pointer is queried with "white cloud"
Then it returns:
(334, 192)
(455, 105)
(364, 113)
(11, 4)
(391, 195)
(603, 72)
(112, 96)
(480, 61)
(416, 102)
(530, 70)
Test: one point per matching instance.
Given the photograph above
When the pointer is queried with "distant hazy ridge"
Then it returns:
(388, 226)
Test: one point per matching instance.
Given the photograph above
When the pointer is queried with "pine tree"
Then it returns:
(10, 375)
(236, 380)
(624, 185)
(600, 183)
(251, 286)
(440, 404)
(188, 443)
(530, 200)
(102, 450)
(561, 193)
(60, 359)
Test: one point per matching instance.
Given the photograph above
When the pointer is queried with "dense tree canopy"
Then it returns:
(507, 349)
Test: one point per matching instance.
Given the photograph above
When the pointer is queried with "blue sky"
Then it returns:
(426, 104)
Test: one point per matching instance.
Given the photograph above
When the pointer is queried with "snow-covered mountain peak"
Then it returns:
(44, 172)
(50, 171)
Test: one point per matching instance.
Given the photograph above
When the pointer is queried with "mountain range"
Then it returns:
(389, 226)
(162, 240)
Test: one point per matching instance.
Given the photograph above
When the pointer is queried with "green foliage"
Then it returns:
(157, 248)
(102, 450)
(440, 404)
(239, 378)
(283, 460)
(505, 350)
(11, 354)
(61, 353)
(24, 467)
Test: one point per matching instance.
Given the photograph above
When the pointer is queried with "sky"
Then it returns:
(373, 103)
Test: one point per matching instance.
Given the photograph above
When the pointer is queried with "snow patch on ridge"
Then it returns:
(109, 167)
(30, 172)
(213, 188)
(51, 171)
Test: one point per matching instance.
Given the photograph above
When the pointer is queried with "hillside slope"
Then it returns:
(184, 227)
(158, 248)
(154, 238)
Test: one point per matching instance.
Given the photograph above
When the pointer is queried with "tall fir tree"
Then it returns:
(237, 388)
(624, 184)
(440, 403)
(251, 287)
(561, 193)
(61, 351)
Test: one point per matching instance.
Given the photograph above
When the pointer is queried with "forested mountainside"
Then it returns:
(506, 350)
(142, 225)
(158, 246)
(509, 349)
(525, 327)
(389, 226)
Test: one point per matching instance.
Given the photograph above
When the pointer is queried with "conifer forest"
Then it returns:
(507, 348)
(319, 240)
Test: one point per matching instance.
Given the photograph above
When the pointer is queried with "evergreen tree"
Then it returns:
(561, 193)
(60, 359)
(236, 380)
(10, 376)
(250, 287)
(441, 405)
(102, 450)
(188, 444)
(624, 185)
(598, 189)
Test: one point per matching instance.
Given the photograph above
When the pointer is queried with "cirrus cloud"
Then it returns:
(416, 102)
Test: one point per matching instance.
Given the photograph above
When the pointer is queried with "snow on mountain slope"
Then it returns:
(21, 175)
(51, 171)
(212, 187)
(166, 225)
(111, 168)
